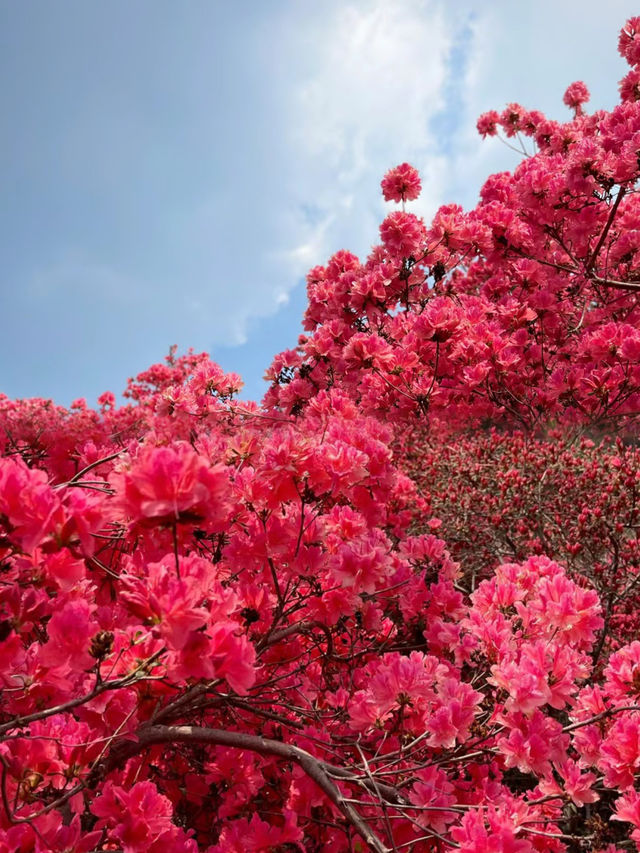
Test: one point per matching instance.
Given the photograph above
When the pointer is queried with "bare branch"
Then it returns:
(316, 769)
(612, 215)
(80, 474)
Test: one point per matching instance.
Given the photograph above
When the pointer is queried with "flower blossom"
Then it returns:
(401, 184)
(167, 485)
(403, 234)
(576, 95)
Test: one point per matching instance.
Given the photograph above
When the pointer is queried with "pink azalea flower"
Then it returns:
(167, 485)
(401, 183)
(403, 234)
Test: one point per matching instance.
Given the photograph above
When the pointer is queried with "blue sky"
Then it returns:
(169, 171)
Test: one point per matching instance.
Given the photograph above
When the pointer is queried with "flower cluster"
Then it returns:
(539, 280)
(401, 184)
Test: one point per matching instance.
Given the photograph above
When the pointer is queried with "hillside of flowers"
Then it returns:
(395, 606)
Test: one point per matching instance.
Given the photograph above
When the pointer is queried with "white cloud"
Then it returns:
(357, 88)
(530, 53)
(377, 77)
(373, 80)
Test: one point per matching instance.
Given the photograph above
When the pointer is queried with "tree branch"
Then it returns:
(316, 769)
(612, 215)
(619, 285)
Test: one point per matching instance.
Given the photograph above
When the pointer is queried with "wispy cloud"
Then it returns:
(373, 79)
(356, 91)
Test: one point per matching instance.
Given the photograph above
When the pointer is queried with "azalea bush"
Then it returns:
(506, 495)
(393, 607)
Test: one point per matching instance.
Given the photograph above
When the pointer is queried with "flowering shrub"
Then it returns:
(340, 620)
(520, 310)
(502, 496)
